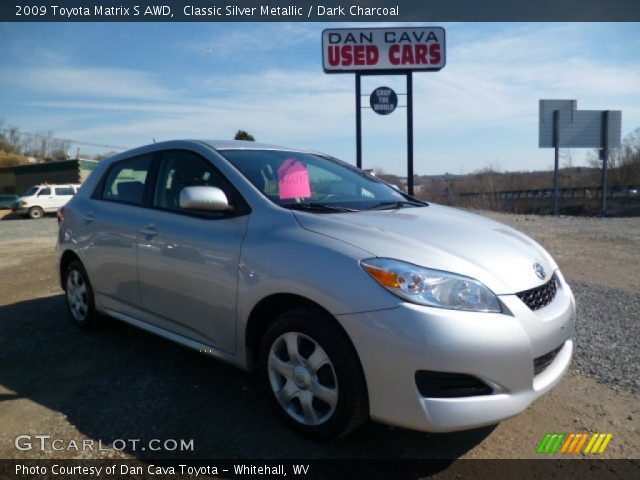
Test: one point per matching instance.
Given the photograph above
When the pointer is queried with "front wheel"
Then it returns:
(79, 295)
(313, 374)
(36, 212)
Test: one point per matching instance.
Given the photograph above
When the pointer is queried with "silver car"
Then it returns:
(351, 299)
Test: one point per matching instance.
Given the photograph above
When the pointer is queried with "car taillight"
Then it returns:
(60, 215)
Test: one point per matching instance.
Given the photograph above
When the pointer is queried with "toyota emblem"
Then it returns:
(539, 269)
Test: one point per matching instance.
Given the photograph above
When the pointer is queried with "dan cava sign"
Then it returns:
(349, 50)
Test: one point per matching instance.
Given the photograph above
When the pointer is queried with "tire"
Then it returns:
(36, 212)
(79, 296)
(319, 399)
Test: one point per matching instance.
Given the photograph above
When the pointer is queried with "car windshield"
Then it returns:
(314, 182)
(31, 191)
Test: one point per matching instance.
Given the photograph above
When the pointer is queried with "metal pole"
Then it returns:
(605, 158)
(358, 124)
(410, 133)
(556, 172)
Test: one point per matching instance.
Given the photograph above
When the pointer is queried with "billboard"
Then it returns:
(577, 128)
(350, 50)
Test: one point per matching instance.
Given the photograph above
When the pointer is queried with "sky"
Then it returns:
(127, 84)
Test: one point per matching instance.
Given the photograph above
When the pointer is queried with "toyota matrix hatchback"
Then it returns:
(351, 299)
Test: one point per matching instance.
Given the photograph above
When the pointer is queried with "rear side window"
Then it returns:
(64, 191)
(126, 180)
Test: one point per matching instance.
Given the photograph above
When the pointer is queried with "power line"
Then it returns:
(74, 142)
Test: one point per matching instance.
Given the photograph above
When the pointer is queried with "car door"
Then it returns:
(62, 195)
(45, 200)
(188, 261)
(109, 224)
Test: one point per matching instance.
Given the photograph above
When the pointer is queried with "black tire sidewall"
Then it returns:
(323, 330)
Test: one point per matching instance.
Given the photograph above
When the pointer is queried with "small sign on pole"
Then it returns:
(383, 100)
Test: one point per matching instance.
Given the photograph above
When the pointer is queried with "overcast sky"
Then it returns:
(124, 84)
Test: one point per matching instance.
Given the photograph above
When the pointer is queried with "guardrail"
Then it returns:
(577, 192)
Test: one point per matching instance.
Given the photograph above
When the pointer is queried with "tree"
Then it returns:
(243, 135)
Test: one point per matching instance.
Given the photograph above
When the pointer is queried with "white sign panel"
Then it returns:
(577, 128)
(348, 50)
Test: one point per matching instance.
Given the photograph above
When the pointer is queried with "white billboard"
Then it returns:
(577, 128)
(349, 50)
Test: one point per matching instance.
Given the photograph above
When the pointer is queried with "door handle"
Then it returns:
(88, 218)
(149, 230)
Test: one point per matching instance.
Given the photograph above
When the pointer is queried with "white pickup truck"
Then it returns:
(45, 198)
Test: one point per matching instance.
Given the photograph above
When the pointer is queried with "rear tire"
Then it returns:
(313, 375)
(79, 296)
(36, 213)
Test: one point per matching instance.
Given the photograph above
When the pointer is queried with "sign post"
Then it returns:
(605, 157)
(384, 51)
(556, 163)
(358, 123)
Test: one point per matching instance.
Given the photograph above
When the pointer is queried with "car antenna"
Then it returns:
(154, 140)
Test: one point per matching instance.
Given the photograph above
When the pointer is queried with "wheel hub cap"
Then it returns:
(301, 377)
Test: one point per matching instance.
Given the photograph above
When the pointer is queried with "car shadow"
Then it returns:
(121, 383)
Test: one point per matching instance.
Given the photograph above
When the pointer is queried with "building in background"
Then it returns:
(17, 179)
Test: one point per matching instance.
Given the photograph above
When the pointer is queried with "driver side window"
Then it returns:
(180, 169)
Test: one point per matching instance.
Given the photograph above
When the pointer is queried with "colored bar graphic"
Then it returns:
(605, 442)
(581, 443)
(543, 443)
(572, 443)
(568, 441)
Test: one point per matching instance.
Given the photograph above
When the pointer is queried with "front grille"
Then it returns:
(541, 296)
(450, 385)
(541, 363)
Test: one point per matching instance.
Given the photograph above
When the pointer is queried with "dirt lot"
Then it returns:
(122, 383)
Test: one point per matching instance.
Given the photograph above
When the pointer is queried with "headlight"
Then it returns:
(434, 288)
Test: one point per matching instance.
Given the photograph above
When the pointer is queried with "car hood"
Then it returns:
(441, 238)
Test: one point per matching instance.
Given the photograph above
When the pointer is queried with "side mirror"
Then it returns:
(204, 198)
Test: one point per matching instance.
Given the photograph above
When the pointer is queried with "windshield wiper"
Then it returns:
(318, 207)
(396, 204)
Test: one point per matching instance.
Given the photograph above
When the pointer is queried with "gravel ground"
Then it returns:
(17, 229)
(607, 335)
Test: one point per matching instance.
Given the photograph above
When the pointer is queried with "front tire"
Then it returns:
(79, 295)
(36, 213)
(313, 374)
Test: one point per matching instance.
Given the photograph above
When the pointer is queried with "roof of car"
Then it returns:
(247, 145)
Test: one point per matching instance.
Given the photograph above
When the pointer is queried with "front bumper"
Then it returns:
(499, 349)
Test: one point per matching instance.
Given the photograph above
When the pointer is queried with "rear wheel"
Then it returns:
(313, 374)
(36, 212)
(79, 295)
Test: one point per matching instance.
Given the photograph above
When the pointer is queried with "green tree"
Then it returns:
(243, 135)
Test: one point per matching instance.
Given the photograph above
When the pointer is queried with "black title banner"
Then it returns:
(115, 469)
(317, 11)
